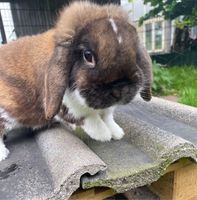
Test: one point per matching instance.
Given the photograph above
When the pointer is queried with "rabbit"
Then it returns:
(90, 62)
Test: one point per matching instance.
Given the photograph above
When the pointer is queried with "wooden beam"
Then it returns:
(93, 194)
(164, 186)
(178, 183)
(185, 183)
(178, 165)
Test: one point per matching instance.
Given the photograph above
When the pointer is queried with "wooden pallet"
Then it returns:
(179, 182)
(93, 194)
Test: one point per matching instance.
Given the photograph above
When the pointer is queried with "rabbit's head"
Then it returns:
(98, 53)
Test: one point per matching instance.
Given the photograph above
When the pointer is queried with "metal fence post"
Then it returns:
(3, 35)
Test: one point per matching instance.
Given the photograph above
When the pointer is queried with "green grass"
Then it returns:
(178, 81)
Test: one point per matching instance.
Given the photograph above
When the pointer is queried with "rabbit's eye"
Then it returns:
(89, 58)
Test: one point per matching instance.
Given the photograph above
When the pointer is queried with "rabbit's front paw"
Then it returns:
(117, 132)
(97, 129)
(102, 134)
(3, 152)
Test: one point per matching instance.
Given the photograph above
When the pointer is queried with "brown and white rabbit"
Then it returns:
(91, 61)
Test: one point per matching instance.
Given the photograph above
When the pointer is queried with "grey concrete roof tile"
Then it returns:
(162, 135)
(51, 164)
(48, 165)
(68, 158)
(174, 110)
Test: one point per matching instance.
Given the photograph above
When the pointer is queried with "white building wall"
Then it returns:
(136, 10)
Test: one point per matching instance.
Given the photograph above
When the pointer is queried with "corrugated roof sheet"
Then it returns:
(53, 163)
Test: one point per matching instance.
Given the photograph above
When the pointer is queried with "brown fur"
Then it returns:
(22, 69)
(34, 70)
(81, 13)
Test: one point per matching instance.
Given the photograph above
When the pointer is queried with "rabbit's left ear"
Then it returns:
(145, 64)
(56, 81)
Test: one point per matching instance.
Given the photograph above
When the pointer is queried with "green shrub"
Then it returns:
(162, 80)
(188, 96)
(178, 81)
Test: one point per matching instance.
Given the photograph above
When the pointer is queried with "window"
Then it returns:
(148, 36)
(193, 33)
(158, 35)
(154, 36)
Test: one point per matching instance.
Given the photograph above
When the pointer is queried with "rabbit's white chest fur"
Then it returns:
(98, 124)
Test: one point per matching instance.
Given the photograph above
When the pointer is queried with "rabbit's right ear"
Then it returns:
(56, 80)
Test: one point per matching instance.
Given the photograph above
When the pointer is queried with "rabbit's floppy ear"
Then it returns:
(145, 64)
(56, 79)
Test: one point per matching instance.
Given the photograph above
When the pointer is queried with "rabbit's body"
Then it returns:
(90, 61)
(21, 97)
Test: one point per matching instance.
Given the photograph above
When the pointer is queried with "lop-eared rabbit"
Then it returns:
(89, 63)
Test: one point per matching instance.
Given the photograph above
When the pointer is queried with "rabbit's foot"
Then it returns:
(96, 128)
(3, 150)
(116, 131)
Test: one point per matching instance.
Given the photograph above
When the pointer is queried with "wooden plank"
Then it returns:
(178, 164)
(185, 183)
(164, 186)
(103, 193)
(83, 194)
(179, 182)
(94, 193)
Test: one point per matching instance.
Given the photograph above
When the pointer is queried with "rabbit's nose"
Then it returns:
(118, 92)
(120, 83)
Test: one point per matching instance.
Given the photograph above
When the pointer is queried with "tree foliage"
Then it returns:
(172, 9)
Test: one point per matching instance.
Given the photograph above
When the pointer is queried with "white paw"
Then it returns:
(96, 129)
(117, 133)
(101, 136)
(3, 152)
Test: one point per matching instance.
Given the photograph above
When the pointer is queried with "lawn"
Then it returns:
(178, 81)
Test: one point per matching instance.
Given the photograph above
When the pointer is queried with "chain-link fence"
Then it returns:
(22, 17)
